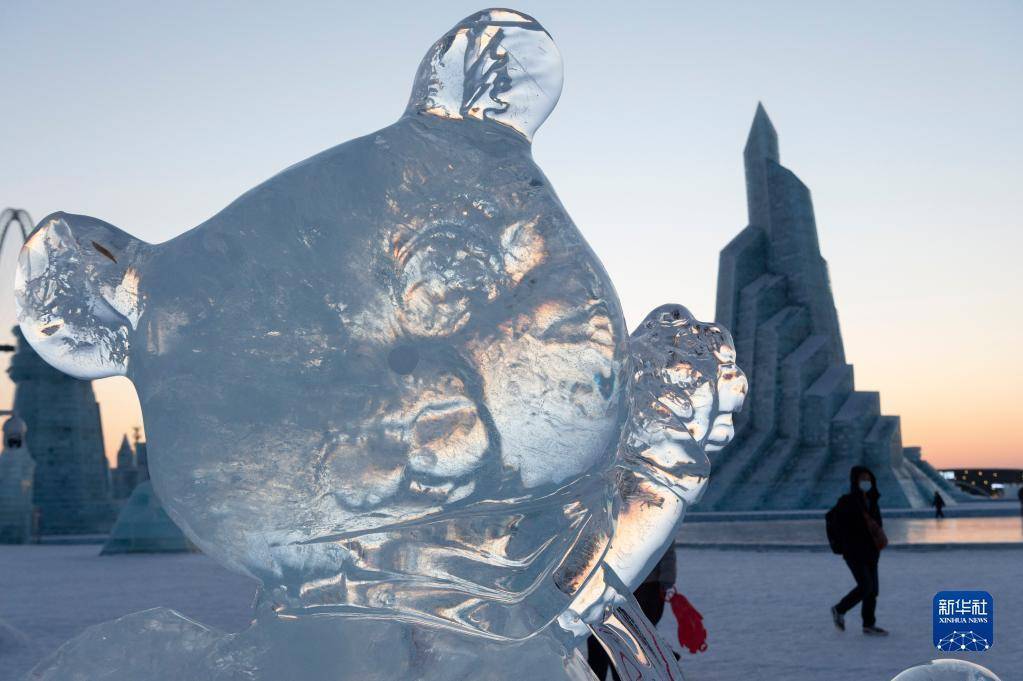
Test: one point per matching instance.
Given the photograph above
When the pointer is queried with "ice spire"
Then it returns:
(125, 455)
(762, 141)
(761, 147)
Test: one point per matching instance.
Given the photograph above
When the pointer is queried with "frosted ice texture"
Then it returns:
(163, 645)
(394, 382)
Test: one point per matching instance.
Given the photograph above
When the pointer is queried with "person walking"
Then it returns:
(1019, 495)
(939, 504)
(862, 538)
(651, 596)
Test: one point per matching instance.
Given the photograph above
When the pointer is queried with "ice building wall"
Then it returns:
(804, 424)
(72, 481)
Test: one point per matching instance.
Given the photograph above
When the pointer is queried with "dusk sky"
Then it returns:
(902, 118)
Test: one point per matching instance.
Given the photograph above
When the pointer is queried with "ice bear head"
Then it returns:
(391, 379)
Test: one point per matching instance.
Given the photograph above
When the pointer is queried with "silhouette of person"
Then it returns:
(860, 526)
(939, 505)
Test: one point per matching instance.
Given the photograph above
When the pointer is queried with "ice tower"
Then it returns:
(805, 424)
(72, 484)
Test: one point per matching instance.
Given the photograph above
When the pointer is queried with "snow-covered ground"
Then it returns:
(50, 593)
(766, 612)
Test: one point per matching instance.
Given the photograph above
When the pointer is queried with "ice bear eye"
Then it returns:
(403, 359)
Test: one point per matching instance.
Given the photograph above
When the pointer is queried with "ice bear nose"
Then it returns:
(403, 359)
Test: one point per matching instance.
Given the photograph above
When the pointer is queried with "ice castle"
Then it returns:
(805, 424)
(72, 485)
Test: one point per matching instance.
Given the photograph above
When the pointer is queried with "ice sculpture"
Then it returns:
(393, 385)
(947, 670)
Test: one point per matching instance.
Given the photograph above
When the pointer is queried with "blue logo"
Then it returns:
(964, 621)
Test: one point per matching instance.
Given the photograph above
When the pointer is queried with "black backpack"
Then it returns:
(833, 525)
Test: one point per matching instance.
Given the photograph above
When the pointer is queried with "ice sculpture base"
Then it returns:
(163, 645)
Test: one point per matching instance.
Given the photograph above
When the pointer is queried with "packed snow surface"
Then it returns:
(766, 613)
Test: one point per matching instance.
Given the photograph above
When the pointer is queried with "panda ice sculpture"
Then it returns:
(393, 384)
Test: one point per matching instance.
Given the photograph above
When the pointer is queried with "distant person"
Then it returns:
(939, 505)
(1019, 495)
(855, 525)
(651, 596)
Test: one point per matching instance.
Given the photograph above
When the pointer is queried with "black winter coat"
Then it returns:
(857, 542)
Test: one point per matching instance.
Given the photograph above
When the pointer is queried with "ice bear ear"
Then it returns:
(77, 294)
(497, 65)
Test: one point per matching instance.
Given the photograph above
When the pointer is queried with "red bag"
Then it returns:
(691, 633)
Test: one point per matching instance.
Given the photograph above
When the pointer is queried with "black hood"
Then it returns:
(854, 475)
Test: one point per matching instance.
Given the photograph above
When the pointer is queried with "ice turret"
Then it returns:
(17, 470)
(125, 477)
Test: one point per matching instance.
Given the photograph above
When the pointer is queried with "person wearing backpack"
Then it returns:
(855, 530)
